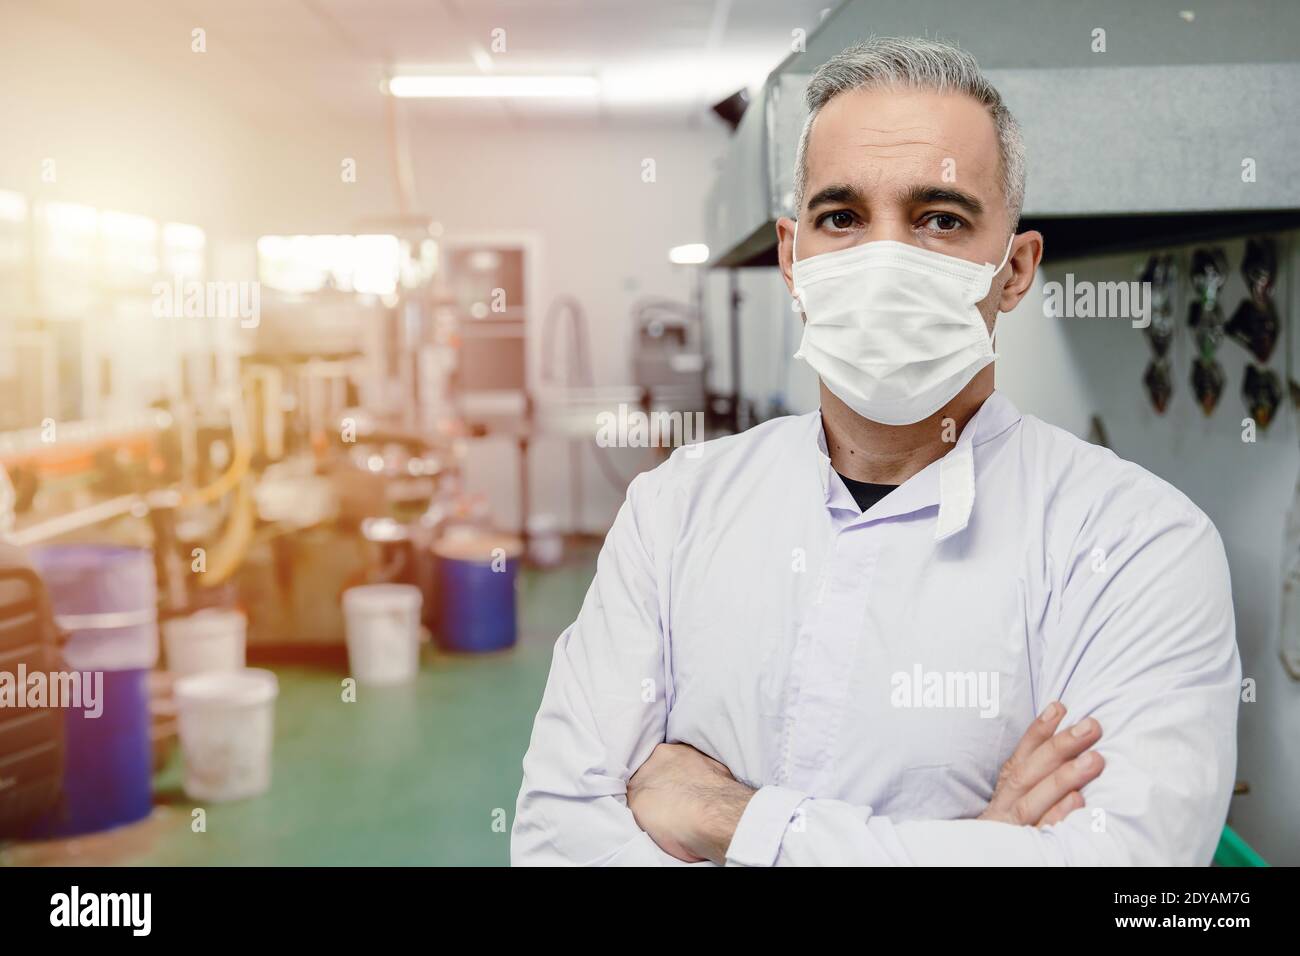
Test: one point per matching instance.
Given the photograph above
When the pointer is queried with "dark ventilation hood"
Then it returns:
(1137, 147)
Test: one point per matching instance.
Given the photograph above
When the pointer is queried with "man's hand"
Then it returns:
(687, 802)
(690, 804)
(1039, 785)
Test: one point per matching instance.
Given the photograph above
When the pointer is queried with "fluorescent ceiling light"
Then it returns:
(489, 86)
(691, 254)
(678, 78)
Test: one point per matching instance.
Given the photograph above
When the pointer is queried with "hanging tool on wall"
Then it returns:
(1256, 327)
(1161, 272)
(1205, 317)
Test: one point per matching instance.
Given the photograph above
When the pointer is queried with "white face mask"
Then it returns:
(891, 329)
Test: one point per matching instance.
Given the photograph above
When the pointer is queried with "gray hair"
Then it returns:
(913, 63)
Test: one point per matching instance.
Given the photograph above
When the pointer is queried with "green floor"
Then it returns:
(411, 775)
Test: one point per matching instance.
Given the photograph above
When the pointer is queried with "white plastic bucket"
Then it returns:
(545, 542)
(383, 632)
(227, 724)
(208, 641)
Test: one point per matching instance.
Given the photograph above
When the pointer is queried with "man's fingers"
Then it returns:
(1039, 782)
(1068, 804)
(1039, 732)
(1063, 747)
(1034, 805)
(1026, 770)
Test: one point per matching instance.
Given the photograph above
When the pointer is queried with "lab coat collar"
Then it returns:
(948, 482)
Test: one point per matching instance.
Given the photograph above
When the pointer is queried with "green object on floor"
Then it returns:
(1234, 851)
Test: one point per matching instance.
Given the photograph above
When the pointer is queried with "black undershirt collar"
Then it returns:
(865, 493)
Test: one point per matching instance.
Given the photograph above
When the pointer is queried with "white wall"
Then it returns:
(121, 135)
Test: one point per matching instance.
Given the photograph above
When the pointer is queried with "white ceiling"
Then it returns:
(269, 59)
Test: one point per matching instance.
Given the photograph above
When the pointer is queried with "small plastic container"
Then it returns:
(227, 727)
(545, 542)
(383, 632)
(209, 641)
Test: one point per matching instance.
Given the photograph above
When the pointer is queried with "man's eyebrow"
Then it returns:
(839, 193)
(920, 195)
(845, 194)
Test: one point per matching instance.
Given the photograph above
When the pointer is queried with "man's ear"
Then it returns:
(785, 249)
(1026, 253)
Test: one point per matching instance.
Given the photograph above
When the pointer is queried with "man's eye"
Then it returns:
(840, 219)
(944, 222)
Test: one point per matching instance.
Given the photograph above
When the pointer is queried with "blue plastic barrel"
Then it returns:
(476, 592)
(105, 596)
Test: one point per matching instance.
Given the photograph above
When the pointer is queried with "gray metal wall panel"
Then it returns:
(1157, 139)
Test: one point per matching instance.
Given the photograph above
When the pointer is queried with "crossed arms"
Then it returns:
(1156, 667)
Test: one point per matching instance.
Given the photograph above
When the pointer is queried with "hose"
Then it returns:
(225, 556)
(239, 465)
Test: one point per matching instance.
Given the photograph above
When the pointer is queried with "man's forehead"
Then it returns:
(865, 136)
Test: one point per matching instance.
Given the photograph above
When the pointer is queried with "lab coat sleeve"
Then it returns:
(602, 712)
(1143, 640)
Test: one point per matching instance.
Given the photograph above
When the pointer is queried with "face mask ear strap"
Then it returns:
(1006, 256)
(794, 258)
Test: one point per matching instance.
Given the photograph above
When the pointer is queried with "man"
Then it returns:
(851, 637)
